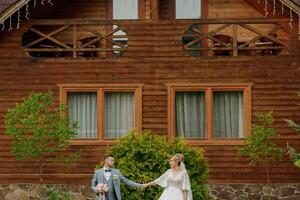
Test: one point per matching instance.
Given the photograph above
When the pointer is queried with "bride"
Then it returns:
(175, 181)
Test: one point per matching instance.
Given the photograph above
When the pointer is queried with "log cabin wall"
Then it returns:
(156, 60)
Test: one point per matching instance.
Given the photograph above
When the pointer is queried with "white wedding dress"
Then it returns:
(174, 184)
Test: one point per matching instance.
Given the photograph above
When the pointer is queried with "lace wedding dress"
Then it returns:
(173, 185)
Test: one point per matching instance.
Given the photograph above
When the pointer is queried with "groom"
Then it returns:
(112, 177)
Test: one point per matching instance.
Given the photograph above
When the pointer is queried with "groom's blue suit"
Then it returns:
(114, 192)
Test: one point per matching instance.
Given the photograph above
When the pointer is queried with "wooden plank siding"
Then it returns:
(156, 59)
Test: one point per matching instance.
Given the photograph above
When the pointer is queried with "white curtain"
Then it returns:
(82, 109)
(188, 9)
(119, 114)
(228, 114)
(190, 114)
(125, 9)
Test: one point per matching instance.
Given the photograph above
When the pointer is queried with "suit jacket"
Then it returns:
(116, 176)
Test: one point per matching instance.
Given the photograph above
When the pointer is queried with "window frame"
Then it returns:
(101, 89)
(209, 89)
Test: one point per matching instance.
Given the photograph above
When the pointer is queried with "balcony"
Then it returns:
(155, 38)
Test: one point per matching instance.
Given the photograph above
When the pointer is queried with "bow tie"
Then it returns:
(107, 170)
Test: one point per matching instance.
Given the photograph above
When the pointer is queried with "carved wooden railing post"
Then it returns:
(235, 49)
(75, 41)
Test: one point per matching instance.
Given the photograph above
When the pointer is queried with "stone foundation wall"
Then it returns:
(217, 192)
(254, 192)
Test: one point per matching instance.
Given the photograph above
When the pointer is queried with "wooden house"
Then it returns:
(200, 69)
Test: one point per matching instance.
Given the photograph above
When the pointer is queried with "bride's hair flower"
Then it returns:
(179, 157)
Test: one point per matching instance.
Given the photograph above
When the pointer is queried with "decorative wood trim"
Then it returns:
(171, 108)
(66, 22)
(209, 107)
(154, 9)
(204, 28)
(141, 11)
(101, 89)
(100, 120)
(109, 9)
(204, 9)
(209, 88)
(109, 16)
(172, 9)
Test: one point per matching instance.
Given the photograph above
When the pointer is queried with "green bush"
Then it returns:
(144, 158)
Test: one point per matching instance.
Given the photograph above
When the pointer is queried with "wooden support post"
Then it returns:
(235, 50)
(74, 41)
(154, 9)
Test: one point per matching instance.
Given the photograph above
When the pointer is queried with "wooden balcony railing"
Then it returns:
(69, 38)
(224, 37)
(200, 38)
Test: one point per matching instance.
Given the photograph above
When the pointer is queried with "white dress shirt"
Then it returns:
(106, 174)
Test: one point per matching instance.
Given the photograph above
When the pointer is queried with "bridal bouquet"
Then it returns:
(102, 188)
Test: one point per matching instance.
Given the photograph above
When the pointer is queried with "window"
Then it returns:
(209, 113)
(188, 9)
(125, 9)
(183, 9)
(103, 113)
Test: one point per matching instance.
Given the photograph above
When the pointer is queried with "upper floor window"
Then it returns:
(102, 113)
(209, 112)
(188, 9)
(125, 9)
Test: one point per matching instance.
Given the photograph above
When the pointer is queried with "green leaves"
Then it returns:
(259, 145)
(145, 157)
(295, 157)
(37, 128)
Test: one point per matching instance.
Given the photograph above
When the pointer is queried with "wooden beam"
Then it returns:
(154, 13)
(178, 21)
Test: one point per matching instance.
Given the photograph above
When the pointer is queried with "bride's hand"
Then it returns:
(145, 185)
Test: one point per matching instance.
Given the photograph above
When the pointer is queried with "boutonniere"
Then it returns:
(115, 177)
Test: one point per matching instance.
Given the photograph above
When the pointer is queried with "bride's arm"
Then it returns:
(161, 181)
(185, 194)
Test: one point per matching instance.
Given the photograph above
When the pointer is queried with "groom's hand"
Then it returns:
(143, 186)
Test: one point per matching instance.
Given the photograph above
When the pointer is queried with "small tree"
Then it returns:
(39, 131)
(259, 147)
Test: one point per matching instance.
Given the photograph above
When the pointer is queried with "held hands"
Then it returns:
(143, 186)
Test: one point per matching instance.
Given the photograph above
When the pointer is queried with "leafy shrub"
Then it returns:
(144, 158)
